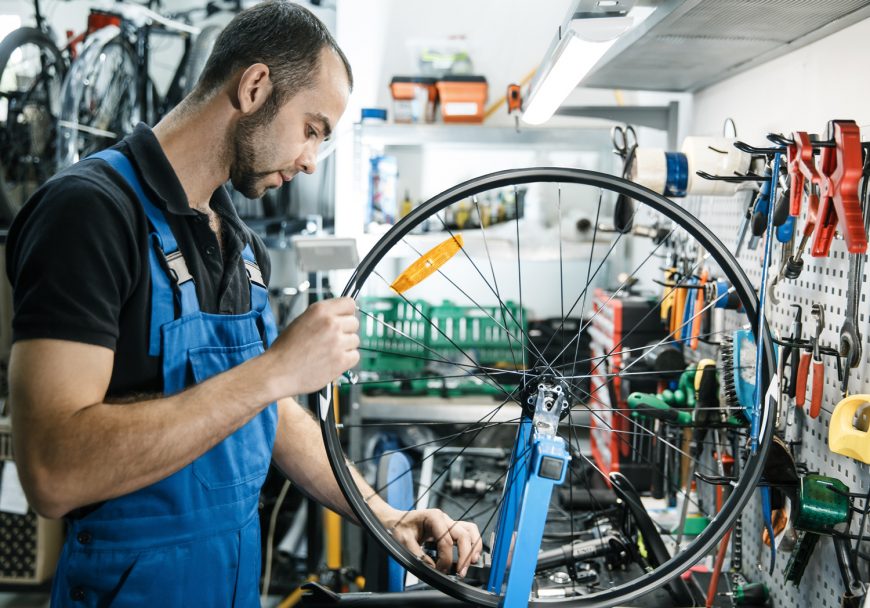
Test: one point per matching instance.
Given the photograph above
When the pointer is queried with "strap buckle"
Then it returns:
(254, 274)
(178, 267)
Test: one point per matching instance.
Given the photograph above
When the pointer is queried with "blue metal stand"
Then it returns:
(539, 462)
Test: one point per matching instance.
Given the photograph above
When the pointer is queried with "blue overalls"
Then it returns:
(192, 539)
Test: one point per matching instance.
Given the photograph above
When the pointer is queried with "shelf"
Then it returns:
(438, 134)
(686, 45)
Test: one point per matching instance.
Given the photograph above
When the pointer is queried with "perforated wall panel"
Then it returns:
(823, 280)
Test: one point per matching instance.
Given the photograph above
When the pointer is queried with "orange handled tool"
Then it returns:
(839, 207)
(699, 306)
(818, 387)
(803, 371)
(514, 98)
(818, 313)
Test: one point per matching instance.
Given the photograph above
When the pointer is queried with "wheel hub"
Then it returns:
(544, 398)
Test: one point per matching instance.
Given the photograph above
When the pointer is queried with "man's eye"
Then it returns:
(311, 132)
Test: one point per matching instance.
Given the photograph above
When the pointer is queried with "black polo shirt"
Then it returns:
(77, 257)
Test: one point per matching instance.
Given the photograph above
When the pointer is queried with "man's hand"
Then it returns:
(316, 348)
(413, 528)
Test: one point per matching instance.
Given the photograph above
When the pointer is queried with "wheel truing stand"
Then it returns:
(538, 463)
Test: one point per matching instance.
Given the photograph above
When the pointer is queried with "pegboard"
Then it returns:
(823, 280)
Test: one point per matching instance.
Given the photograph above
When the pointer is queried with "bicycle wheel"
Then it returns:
(99, 99)
(476, 361)
(199, 54)
(31, 72)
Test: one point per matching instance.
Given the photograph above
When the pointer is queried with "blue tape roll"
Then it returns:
(678, 174)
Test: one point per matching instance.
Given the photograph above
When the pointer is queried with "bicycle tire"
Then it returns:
(27, 157)
(751, 470)
(199, 54)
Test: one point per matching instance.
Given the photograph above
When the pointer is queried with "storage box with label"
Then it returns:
(462, 98)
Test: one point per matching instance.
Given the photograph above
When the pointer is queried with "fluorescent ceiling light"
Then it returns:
(572, 61)
(583, 44)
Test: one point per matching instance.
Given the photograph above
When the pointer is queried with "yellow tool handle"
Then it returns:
(843, 437)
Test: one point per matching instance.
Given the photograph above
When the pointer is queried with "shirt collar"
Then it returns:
(157, 174)
(163, 183)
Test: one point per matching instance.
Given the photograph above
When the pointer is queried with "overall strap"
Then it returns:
(163, 245)
(259, 296)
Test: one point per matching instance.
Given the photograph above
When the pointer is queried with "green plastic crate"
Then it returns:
(390, 350)
(479, 331)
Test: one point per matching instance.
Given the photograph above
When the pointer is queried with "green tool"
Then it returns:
(751, 594)
(823, 503)
(655, 407)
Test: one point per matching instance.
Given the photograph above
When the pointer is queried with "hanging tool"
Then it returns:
(760, 211)
(699, 306)
(655, 407)
(624, 141)
(850, 338)
(667, 306)
(750, 594)
(745, 220)
(706, 387)
(841, 169)
(802, 170)
(755, 422)
(738, 372)
(514, 97)
(804, 176)
(427, 264)
(822, 504)
(818, 313)
(844, 436)
(794, 353)
(688, 311)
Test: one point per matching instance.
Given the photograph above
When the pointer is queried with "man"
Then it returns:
(139, 387)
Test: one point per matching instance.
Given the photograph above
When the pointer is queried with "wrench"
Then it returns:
(850, 339)
(787, 249)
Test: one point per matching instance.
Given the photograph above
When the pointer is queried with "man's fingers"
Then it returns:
(439, 525)
(342, 306)
(349, 324)
(477, 547)
(462, 534)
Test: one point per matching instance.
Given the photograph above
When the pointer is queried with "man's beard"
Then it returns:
(243, 170)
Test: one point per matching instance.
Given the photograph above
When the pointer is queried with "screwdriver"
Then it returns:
(751, 594)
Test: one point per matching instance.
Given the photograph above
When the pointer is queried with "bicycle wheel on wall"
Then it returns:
(462, 343)
(31, 72)
(99, 101)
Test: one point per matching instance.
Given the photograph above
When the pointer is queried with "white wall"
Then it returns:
(800, 91)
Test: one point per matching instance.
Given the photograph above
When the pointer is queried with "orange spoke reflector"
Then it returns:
(428, 263)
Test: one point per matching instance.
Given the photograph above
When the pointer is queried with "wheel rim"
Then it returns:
(751, 469)
(30, 79)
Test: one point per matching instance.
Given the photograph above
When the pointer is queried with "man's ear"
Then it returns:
(255, 86)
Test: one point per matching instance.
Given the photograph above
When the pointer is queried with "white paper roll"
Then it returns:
(650, 169)
(717, 156)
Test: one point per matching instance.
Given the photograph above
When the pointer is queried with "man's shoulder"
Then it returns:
(89, 189)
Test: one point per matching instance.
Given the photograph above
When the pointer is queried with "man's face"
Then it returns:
(270, 152)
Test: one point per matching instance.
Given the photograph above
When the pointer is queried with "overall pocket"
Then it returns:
(245, 455)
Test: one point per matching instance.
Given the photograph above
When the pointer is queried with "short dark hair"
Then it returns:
(285, 36)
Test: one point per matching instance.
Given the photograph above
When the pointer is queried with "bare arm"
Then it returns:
(74, 449)
(301, 454)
